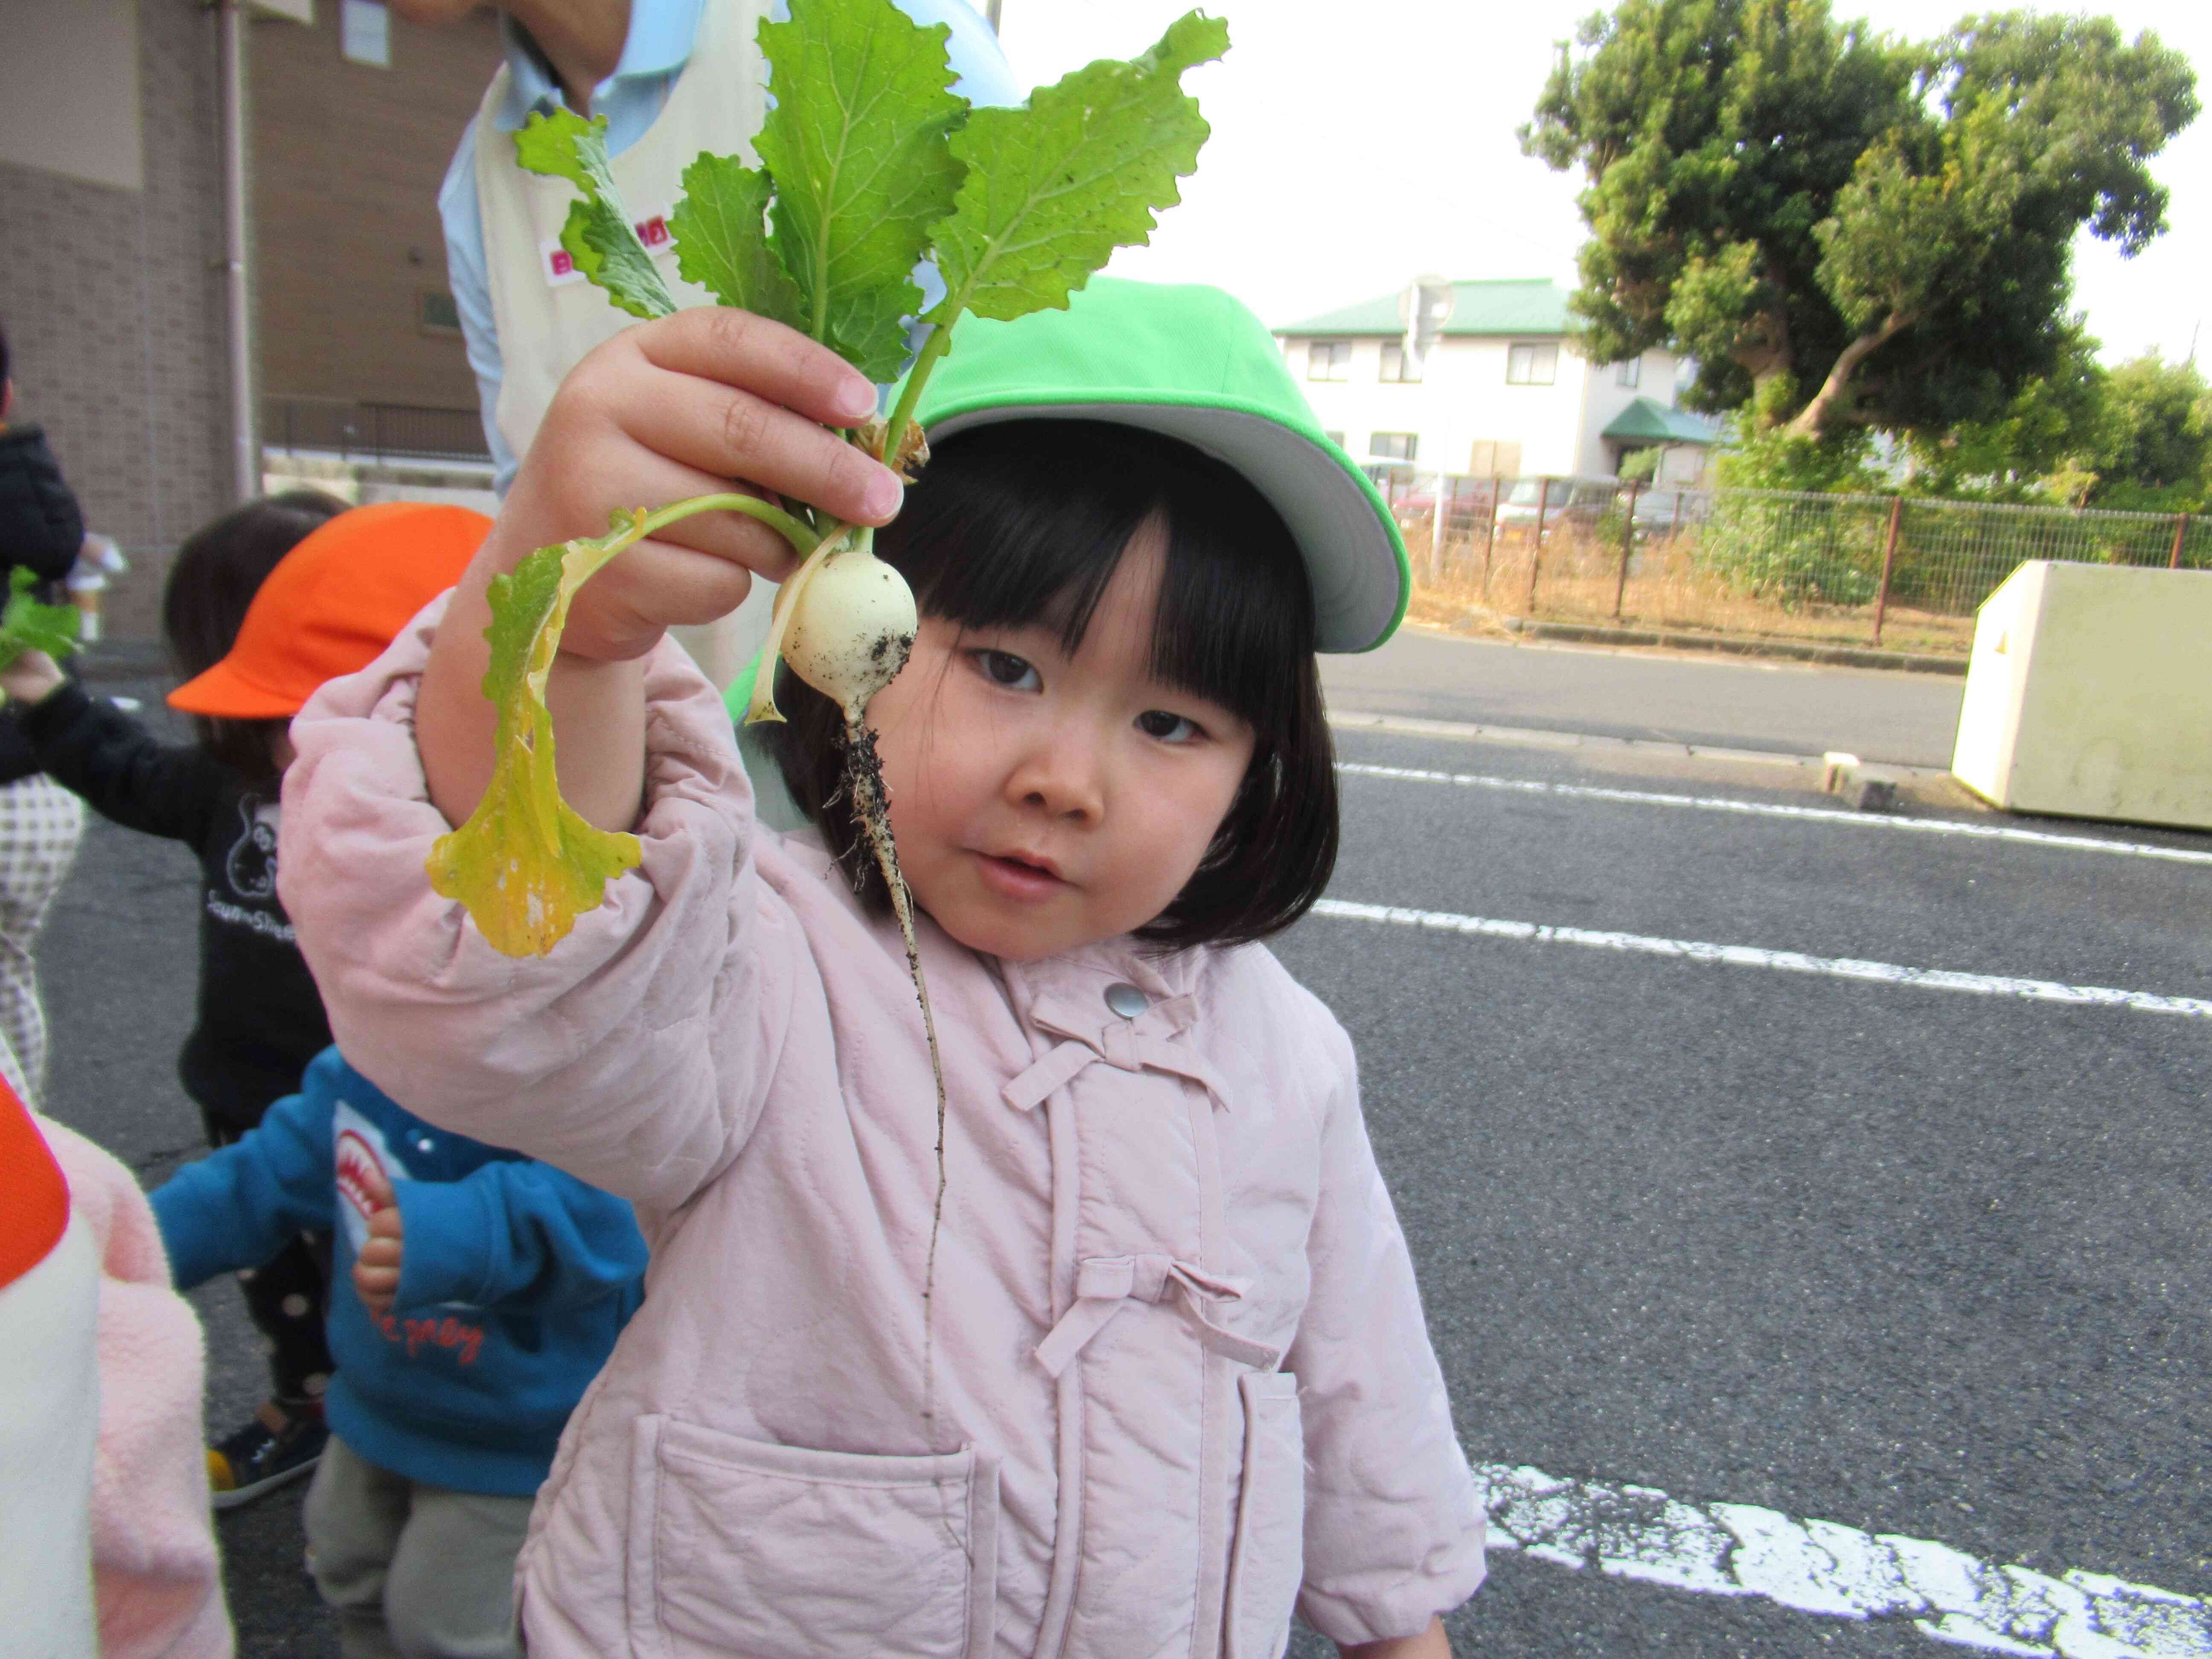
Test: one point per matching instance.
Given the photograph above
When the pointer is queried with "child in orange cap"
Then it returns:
(262, 606)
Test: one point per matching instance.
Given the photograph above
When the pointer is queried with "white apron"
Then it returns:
(548, 316)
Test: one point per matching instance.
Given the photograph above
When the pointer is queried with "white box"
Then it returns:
(2089, 694)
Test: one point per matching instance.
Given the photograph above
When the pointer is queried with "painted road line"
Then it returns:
(1770, 810)
(1819, 1566)
(1788, 962)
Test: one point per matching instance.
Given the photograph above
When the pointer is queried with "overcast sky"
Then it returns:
(1357, 143)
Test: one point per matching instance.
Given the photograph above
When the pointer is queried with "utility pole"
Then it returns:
(991, 11)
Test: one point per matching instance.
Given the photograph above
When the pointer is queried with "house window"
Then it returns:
(1336, 438)
(1393, 446)
(1531, 365)
(1399, 365)
(365, 32)
(1629, 372)
(1328, 360)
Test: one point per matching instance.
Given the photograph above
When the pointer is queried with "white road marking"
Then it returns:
(1819, 1566)
(1770, 810)
(1788, 962)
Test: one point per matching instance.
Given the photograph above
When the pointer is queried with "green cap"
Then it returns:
(1192, 363)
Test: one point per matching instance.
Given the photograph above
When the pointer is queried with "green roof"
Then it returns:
(1531, 305)
(1647, 422)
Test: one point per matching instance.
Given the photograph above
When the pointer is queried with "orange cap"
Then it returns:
(332, 604)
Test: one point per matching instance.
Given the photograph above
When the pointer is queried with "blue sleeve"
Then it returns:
(973, 51)
(462, 214)
(515, 1231)
(239, 1207)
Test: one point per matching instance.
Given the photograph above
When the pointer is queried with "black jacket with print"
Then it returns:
(260, 1017)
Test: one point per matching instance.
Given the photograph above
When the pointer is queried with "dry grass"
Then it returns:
(1577, 580)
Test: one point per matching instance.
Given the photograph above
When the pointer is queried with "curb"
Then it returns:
(1833, 656)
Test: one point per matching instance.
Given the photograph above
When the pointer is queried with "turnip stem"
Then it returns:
(940, 342)
(803, 539)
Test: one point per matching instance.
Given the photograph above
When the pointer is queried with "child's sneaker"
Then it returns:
(272, 1449)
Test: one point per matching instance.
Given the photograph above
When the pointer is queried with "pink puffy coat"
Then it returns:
(1177, 1379)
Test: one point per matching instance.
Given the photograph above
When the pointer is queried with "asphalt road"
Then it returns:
(1922, 1263)
(1917, 1262)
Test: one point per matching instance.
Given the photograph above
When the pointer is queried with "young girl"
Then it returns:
(1170, 1377)
(261, 606)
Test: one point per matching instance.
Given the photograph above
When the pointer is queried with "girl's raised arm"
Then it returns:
(670, 409)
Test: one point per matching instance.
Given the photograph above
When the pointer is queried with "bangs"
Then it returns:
(1024, 524)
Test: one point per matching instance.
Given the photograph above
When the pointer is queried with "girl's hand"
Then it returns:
(376, 1268)
(1431, 1643)
(31, 678)
(682, 406)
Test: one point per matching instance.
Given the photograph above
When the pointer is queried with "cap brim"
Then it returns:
(224, 694)
(1353, 553)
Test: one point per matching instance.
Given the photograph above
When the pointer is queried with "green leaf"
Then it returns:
(856, 144)
(1053, 188)
(597, 235)
(524, 865)
(721, 228)
(27, 625)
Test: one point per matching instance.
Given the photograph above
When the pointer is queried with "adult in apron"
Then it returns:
(548, 316)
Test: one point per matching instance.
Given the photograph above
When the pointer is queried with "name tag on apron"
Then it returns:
(558, 266)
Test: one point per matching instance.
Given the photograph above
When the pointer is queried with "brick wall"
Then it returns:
(114, 310)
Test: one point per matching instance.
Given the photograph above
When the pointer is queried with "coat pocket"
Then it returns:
(770, 1551)
(1267, 1563)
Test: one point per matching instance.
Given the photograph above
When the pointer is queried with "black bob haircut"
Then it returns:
(212, 581)
(1023, 523)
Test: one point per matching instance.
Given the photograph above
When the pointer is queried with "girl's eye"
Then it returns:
(1004, 668)
(1167, 728)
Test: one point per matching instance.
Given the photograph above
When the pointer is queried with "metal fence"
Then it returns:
(372, 432)
(1815, 566)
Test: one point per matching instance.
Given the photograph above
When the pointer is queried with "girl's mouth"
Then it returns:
(1013, 876)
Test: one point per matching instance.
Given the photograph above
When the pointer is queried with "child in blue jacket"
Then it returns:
(474, 1294)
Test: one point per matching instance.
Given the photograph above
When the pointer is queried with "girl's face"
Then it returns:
(1044, 800)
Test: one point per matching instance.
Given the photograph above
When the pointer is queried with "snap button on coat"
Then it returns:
(1127, 1000)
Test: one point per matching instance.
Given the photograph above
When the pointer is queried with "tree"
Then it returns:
(1841, 229)
(2155, 449)
(2041, 449)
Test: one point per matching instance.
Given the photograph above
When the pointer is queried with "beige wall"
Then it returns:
(347, 163)
(68, 89)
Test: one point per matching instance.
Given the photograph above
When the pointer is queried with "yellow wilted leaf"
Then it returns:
(524, 865)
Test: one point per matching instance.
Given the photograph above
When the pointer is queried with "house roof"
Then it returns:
(1533, 305)
(1647, 420)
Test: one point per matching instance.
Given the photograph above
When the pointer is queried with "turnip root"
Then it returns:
(849, 629)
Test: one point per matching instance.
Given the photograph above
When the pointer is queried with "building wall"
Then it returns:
(112, 298)
(1463, 409)
(347, 161)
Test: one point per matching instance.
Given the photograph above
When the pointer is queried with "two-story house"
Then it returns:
(1502, 390)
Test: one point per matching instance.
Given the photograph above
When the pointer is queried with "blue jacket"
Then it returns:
(515, 1279)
